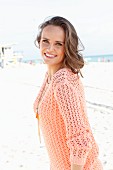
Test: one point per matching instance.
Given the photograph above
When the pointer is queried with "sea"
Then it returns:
(88, 58)
(99, 58)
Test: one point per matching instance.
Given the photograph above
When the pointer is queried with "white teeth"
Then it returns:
(50, 56)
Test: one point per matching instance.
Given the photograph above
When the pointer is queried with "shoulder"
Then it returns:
(66, 77)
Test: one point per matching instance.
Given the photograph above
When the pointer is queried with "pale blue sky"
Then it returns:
(93, 20)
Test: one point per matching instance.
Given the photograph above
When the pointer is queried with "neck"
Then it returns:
(53, 70)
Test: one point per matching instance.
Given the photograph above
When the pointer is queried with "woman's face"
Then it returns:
(52, 45)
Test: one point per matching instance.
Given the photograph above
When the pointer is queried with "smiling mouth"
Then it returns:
(50, 55)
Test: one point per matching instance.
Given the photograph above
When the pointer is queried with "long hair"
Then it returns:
(73, 58)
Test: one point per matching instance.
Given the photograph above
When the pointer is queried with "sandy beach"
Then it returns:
(19, 145)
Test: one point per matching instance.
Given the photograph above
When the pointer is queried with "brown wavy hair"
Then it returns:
(73, 58)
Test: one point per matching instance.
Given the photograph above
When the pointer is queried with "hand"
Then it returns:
(76, 167)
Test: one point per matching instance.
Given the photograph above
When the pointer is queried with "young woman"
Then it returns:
(60, 105)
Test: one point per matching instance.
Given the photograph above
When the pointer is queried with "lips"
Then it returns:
(50, 55)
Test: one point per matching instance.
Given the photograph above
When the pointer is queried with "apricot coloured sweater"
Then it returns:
(64, 123)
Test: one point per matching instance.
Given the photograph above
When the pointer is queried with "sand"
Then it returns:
(19, 145)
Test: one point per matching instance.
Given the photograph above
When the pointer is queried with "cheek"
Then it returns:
(41, 49)
(63, 53)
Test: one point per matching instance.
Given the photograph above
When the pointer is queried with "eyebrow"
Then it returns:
(55, 41)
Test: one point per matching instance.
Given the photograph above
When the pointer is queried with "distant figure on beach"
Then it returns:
(60, 106)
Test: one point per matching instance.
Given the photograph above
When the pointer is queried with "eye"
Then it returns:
(45, 41)
(59, 44)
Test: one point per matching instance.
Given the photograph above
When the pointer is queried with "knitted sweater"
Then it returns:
(64, 123)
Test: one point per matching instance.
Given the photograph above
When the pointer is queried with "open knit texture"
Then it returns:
(64, 123)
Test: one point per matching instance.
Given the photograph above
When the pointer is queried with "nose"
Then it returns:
(51, 47)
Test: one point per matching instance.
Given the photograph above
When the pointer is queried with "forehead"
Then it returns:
(52, 31)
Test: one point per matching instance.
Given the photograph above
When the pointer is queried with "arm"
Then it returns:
(76, 167)
(70, 101)
(35, 104)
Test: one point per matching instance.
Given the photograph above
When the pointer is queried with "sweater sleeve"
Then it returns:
(71, 104)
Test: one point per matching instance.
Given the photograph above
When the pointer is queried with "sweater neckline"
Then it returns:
(61, 70)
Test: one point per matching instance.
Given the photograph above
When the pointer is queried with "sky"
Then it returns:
(92, 19)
